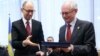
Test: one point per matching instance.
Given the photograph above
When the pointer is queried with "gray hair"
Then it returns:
(72, 3)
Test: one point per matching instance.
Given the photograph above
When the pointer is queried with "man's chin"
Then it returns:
(67, 21)
(28, 18)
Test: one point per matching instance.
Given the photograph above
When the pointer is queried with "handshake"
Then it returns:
(27, 42)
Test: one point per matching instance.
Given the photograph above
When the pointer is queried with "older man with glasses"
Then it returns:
(27, 33)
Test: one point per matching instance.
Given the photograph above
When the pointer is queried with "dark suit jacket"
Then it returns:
(3, 51)
(83, 39)
(19, 34)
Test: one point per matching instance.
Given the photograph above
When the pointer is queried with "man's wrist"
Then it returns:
(23, 44)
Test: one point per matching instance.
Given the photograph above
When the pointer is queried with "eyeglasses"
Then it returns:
(66, 13)
(29, 10)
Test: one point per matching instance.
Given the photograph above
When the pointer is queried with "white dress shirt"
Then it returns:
(72, 27)
(30, 23)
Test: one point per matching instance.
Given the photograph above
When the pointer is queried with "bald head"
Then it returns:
(27, 3)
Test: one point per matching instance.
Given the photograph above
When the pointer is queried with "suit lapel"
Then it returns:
(63, 34)
(75, 31)
(32, 26)
(23, 28)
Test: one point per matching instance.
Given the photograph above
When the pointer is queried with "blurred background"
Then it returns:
(48, 13)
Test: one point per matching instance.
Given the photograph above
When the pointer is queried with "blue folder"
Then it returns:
(55, 44)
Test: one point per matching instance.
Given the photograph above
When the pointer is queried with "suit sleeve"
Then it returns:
(88, 42)
(15, 43)
(41, 36)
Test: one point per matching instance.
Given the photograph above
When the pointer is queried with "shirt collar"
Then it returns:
(73, 22)
(24, 20)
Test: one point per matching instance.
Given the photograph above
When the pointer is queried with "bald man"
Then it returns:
(26, 33)
(79, 33)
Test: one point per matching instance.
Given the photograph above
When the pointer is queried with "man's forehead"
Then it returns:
(66, 5)
(65, 9)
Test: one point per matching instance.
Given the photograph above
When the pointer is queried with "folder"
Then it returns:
(55, 44)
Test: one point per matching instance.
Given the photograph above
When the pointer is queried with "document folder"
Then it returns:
(55, 44)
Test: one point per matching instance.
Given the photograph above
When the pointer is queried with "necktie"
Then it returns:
(68, 32)
(28, 28)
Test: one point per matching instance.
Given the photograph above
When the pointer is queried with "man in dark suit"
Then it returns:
(49, 50)
(26, 33)
(46, 51)
(80, 34)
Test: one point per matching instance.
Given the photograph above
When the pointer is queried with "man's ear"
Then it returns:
(21, 9)
(76, 10)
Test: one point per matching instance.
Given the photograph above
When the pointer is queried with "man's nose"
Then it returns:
(64, 15)
(30, 13)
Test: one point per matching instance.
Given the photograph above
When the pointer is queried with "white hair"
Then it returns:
(72, 3)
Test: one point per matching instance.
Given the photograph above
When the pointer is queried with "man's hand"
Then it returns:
(69, 49)
(28, 42)
(50, 50)
(57, 49)
(40, 53)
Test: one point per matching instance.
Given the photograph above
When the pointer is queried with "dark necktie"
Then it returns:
(68, 32)
(28, 28)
